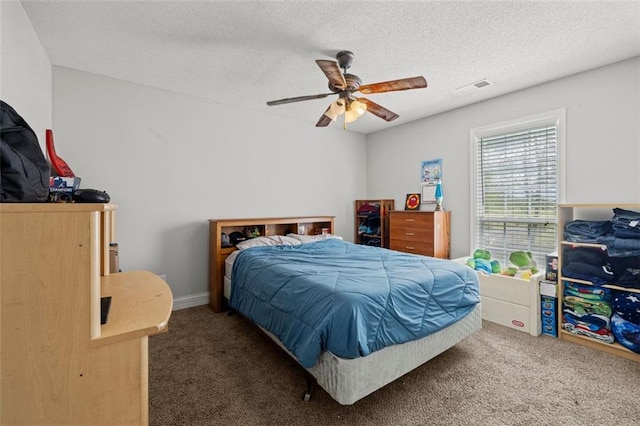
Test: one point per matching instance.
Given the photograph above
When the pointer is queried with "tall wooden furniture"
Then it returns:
(594, 212)
(420, 232)
(306, 225)
(367, 232)
(59, 364)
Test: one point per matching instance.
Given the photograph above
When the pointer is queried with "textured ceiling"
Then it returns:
(247, 53)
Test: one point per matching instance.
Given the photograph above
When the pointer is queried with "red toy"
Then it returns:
(59, 165)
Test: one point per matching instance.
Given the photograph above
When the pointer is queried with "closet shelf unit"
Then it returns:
(566, 214)
(377, 236)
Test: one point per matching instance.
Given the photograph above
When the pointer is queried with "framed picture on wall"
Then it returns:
(412, 202)
(431, 171)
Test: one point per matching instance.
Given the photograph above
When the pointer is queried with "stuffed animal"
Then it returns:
(523, 265)
(481, 261)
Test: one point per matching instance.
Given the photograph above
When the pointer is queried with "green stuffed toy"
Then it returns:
(482, 254)
(481, 261)
(524, 265)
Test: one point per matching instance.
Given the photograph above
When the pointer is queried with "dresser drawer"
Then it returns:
(425, 249)
(418, 235)
(411, 219)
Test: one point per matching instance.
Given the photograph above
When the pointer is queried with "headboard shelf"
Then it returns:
(303, 225)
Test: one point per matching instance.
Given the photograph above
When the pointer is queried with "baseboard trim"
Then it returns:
(190, 301)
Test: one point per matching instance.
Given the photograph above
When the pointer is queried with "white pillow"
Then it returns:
(272, 240)
(311, 238)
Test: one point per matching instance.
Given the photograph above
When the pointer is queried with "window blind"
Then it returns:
(517, 193)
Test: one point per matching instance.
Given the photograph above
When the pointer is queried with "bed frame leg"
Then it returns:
(307, 393)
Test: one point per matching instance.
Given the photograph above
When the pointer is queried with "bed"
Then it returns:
(363, 367)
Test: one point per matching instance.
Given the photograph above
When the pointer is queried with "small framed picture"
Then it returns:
(412, 202)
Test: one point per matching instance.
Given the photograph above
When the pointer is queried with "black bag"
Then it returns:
(24, 170)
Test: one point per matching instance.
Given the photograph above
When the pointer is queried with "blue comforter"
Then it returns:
(349, 299)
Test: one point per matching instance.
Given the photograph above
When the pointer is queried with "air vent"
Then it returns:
(475, 86)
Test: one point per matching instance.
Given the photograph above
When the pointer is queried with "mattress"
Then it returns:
(348, 380)
(228, 268)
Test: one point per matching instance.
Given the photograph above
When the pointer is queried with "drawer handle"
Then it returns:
(410, 248)
(409, 233)
(410, 220)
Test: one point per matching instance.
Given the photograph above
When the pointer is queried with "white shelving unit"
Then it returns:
(566, 214)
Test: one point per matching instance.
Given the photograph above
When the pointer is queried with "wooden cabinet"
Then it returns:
(425, 233)
(590, 212)
(306, 225)
(372, 222)
(59, 364)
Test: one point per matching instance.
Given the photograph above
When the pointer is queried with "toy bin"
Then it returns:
(512, 302)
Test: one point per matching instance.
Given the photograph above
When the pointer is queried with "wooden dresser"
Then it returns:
(59, 364)
(425, 233)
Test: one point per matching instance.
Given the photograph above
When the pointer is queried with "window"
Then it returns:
(516, 186)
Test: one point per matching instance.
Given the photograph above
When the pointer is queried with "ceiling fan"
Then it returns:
(344, 85)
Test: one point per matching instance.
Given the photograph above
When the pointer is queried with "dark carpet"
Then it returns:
(214, 369)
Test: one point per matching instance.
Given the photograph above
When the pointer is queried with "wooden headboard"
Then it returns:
(305, 225)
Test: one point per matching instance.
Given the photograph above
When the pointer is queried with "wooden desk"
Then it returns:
(59, 365)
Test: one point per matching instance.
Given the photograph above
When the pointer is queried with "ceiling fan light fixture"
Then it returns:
(337, 107)
(358, 107)
(350, 115)
(345, 85)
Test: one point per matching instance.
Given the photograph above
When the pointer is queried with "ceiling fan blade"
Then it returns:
(332, 71)
(378, 110)
(394, 85)
(324, 120)
(298, 99)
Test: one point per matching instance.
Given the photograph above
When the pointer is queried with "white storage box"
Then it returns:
(512, 302)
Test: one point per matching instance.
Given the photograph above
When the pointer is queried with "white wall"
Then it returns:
(25, 70)
(602, 151)
(172, 161)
